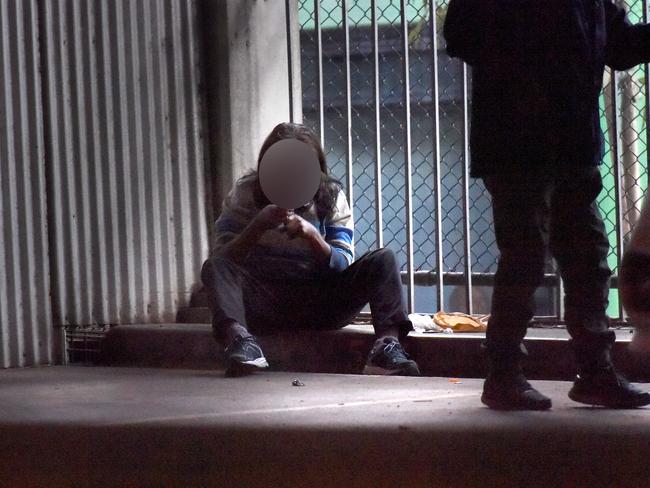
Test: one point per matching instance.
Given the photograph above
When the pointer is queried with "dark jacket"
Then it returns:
(537, 71)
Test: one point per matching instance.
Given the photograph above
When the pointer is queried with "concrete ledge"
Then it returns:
(80, 426)
(345, 351)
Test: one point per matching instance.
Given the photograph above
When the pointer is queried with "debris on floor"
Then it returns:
(297, 382)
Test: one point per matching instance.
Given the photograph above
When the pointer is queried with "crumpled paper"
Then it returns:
(423, 322)
(461, 322)
(449, 322)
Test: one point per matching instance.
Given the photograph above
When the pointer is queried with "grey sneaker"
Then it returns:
(244, 357)
(387, 357)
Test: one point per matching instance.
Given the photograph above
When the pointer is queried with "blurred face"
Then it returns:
(289, 173)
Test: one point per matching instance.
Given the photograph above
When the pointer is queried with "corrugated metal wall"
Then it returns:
(25, 319)
(101, 140)
(125, 151)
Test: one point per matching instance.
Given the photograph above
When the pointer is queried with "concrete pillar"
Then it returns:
(247, 82)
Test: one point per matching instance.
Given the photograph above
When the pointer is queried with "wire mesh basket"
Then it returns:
(84, 343)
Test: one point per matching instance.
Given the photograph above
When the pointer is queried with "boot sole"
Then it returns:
(501, 405)
(587, 399)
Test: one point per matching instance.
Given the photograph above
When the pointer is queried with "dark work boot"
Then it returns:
(506, 387)
(511, 391)
(598, 383)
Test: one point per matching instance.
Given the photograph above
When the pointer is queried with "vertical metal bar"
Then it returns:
(618, 190)
(319, 82)
(379, 218)
(437, 185)
(287, 11)
(646, 91)
(348, 107)
(646, 84)
(466, 203)
(559, 298)
(407, 157)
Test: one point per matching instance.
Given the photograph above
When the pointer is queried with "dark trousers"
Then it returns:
(265, 304)
(556, 212)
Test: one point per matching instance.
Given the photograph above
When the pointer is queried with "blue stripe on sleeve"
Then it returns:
(347, 253)
(339, 233)
(338, 260)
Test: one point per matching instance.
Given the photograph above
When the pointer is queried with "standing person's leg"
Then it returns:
(580, 245)
(372, 279)
(519, 205)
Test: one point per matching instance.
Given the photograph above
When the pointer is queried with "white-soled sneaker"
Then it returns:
(387, 357)
(244, 357)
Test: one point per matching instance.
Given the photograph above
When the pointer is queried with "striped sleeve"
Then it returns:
(339, 234)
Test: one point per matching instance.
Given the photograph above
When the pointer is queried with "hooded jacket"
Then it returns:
(537, 71)
(276, 256)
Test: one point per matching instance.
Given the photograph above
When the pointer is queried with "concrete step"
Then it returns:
(114, 427)
(344, 351)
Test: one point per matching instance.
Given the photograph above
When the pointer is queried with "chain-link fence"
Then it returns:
(402, 154)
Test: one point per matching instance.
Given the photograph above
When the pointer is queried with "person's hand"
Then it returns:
(296, 226)
(269, 217)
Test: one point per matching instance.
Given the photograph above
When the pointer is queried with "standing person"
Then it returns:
(537, 70)
(273, 269)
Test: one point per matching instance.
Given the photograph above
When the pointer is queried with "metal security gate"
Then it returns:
(392, 111)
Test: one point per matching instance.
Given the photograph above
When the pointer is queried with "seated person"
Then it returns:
(275, 269)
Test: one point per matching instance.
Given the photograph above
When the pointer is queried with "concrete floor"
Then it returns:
(91, 426)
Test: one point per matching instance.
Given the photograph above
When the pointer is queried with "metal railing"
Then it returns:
(392, 111)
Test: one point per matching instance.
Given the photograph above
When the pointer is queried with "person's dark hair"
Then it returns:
(325, 198)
